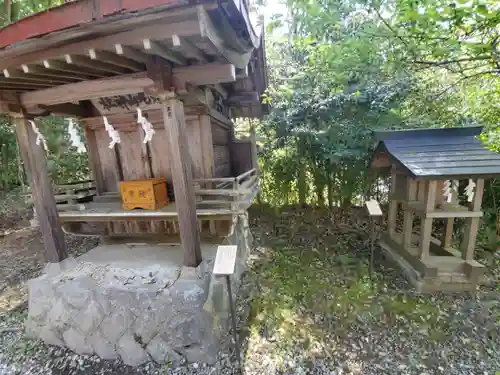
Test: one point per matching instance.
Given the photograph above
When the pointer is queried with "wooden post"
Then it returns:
(448, 233)
(411, 194)
(43, 196)
(472, 223)
(95, 164)
(393, 206)
(426, 224)
(253, 140)
(182, 177)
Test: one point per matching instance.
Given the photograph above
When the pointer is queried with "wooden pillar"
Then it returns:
(393, 206)
(472, 223)
(95, 164)
(426, 224)
(253, 140)
(448, 232)
(182, 177)
(45, 204)
(207, 146)
(411, 195)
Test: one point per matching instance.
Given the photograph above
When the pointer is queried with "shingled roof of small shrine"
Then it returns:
(440, 153)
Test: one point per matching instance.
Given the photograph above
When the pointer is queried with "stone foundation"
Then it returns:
(134, 302)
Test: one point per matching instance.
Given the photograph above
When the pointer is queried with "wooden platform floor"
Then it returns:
(112, 210)
(447, 273)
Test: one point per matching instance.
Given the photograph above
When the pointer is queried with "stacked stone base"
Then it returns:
(136, 303)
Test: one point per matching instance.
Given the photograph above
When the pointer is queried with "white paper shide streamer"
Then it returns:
(74, 137)
(447, 190)
(146, 126)
(113, 134)
(40, 139)
(469, 190)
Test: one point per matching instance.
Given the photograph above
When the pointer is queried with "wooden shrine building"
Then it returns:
(189, 66)
(437, 175)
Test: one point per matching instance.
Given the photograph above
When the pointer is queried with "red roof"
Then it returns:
(73, 14)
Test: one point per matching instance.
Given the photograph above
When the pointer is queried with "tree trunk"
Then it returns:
(7, 8)
(302, 185)
(330, 191)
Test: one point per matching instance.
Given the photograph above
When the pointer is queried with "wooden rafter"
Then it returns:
(156, 31)
(182, 45)
(43, 71)
(70, 68)
(131, 53)
(86, 62)
(114, 59)
(210, 33)
(11, 73)
(154, 48)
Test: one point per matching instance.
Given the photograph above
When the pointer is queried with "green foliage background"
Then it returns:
(338, 70)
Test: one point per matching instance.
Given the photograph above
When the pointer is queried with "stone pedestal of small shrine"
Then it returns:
(136, 302)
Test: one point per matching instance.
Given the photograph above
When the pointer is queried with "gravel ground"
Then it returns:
(306, 306)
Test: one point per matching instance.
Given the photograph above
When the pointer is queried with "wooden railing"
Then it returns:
(235, 193)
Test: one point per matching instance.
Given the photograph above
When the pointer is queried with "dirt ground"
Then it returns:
(306, 306)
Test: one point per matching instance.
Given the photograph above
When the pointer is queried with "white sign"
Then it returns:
(225, 260)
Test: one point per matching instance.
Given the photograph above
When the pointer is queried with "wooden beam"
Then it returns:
(209, 32)
(70, 68)
(206, 74)
(87, 90)
(112, 58)
(197, 75)
(173, 114)
(45, 204)
(155, 48)
(185, 47)
(86, 62)
(131, 53)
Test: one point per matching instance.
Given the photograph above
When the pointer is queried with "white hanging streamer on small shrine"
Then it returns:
(447, 190)
(113, 134)
(146, 126)
(450, 189)
(74, 137)
(39, 137)
(469, 190)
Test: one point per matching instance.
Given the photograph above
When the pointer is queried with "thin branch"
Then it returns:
(448, 62)
(461, 80)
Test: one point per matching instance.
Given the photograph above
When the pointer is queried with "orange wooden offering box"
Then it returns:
(146, 194)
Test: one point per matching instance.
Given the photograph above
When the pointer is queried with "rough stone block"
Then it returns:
(149, 323)
(130, 351)
(102, 347)
(116, 324)
(59, 316)
(161, 352)
(50, 337)
(87, 320)
(77, 342)
(40, 298)
(77, 292)
(54, 269)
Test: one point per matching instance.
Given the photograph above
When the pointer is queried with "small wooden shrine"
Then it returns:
(154, 85)
(437, 175)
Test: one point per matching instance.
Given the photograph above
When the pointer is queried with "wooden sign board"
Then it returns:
(373, 208)
(225, 260)
(126, 103)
